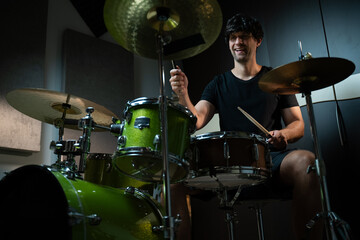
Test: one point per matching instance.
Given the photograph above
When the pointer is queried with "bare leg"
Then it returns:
(306, 192)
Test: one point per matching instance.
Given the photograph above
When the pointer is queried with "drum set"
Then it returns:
(110, 195)
(106, 196)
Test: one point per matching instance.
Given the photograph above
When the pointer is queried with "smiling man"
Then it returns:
(239, 87)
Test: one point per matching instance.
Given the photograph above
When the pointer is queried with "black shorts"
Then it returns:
(273, 184)
(277, 157)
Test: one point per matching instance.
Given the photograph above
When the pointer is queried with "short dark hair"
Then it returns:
(243, 23)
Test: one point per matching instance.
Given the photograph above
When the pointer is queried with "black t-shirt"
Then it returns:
(226, 92)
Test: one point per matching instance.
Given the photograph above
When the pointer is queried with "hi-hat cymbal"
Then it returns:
(47, 106)
(189, 26)
(306, 75)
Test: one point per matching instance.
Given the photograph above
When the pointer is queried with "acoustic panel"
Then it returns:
(97, 70)
(21, 65)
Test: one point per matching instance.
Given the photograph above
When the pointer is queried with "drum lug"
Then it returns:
(255, 152)
(156, 141)
(130, 190)
(76, 218)
(158, 228)
(121, 141)
(226, 151)
(128, 116)
(167, 223)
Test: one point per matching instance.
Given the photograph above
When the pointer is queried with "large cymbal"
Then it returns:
(135, 24)
(306, 75)
(46, 106)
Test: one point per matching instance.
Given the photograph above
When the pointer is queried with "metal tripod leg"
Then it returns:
(319, 168)
(260, 225)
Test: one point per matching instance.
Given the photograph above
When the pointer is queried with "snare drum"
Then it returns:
(139, 146)
(43, 203)
(99, 170)
(228, 159)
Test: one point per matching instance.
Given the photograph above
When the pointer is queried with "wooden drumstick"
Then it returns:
(255, 122)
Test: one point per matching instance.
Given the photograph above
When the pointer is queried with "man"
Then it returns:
(239, 87)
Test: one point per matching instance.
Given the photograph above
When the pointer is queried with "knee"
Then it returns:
(304, 158)
(295, 164)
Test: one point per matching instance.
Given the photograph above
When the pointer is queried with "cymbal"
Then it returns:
(47, 106)
(306, 75)
(189, 26)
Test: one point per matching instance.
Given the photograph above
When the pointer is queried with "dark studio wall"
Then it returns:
(284, 23)
(22, 48)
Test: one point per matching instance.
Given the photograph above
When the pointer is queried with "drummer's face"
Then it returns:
(243, 46)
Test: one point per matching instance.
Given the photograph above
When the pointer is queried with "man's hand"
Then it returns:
(278, 139)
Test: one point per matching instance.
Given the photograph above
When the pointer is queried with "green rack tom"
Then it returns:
(139, 145)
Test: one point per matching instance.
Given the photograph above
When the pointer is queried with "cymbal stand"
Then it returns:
(168, 220)
(86, 124)
(331, 220)
(64, 147)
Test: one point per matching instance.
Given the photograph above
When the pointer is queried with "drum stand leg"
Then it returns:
(228, 206)
(260, 225)
(319, 167)
(168, 220)
(230, 224)
(231, 214)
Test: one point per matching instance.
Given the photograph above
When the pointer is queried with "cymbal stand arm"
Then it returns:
(168, 220)
(320, 170)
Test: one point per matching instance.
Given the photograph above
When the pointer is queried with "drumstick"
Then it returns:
(255, 122)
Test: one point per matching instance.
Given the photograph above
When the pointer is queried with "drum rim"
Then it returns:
(228, 134)
(231, 170)
(145, 151)
(255, 178)
(149, 101)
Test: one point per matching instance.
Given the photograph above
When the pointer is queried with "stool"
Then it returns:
(256, 196)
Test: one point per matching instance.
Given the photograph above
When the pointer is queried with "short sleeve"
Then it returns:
(287, 101)
(209, 93)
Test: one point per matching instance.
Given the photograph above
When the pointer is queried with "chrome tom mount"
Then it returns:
(71, 148)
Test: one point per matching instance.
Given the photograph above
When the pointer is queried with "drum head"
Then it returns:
(31, 197)
(230, 177)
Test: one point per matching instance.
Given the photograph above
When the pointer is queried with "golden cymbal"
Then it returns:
(47, 106)
(306, 75)
(189, 26)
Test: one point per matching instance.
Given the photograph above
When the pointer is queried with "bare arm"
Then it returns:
(293, 131)
(203, 110)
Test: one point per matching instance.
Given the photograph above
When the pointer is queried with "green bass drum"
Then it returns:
(38, 202)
